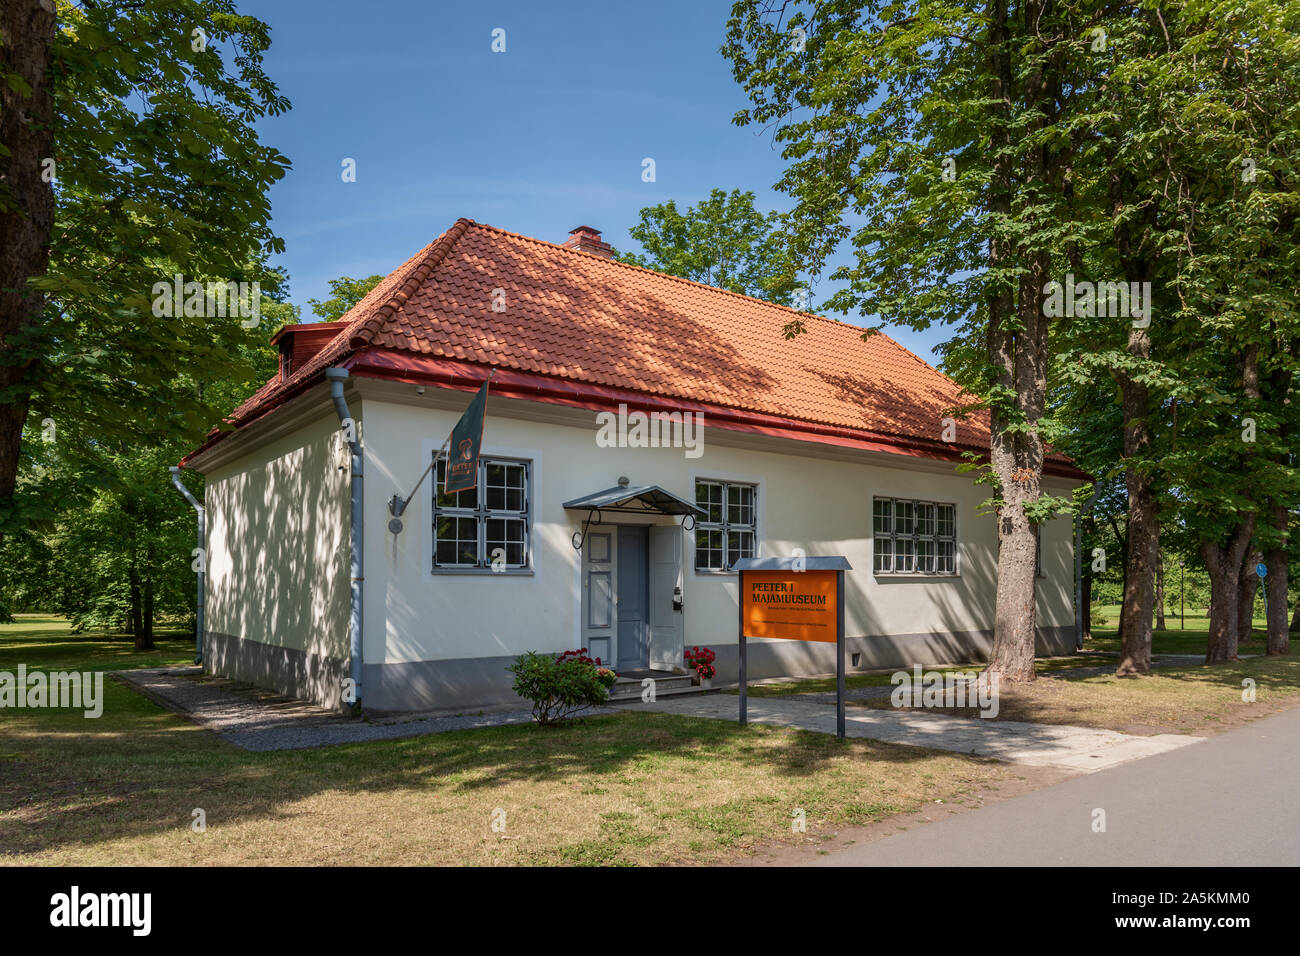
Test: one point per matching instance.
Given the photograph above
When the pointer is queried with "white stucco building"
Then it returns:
(826, 442)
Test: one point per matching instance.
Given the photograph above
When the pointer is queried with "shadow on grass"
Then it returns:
(137, 771)
(44, 642)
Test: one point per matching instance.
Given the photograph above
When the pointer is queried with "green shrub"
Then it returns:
(557, 688)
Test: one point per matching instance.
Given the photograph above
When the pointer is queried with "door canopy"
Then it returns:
(623, 499)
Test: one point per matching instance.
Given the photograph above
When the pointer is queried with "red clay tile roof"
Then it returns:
(574, 317)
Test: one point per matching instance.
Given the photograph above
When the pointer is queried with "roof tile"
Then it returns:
(581, 317)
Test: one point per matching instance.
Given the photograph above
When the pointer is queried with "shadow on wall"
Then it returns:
(278, 567)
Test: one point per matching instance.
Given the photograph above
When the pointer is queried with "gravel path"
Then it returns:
(254, 719)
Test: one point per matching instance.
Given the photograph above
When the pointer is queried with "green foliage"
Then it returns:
(158, 170)
(109, 540)
(557, 689)
(1192, 174)
(345, 293)
(722, 241)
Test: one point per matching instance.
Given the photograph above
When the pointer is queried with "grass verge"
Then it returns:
(627, 789)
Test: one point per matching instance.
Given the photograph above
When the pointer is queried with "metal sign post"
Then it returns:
(797, 599)
(1262, 570)
(839, 657)
(744, 659)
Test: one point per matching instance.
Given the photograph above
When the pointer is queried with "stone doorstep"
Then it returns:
(629, 688)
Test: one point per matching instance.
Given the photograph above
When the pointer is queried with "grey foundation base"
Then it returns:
(484, 682)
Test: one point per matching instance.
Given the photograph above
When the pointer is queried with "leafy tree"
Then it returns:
(936, 138)
(106, 539)
(721, 241)
(345, 293)
(1235, 241)
(128, 153)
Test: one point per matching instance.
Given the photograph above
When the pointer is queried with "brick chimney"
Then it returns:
(586, 239)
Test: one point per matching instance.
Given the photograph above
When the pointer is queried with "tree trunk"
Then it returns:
(1295, 621)
(1142, 547)
(1090, 526)
(27, 30)
(1160, 589)
(1224, 566)
(145, 641)
(1011, 352)
(1139, 577)
(1123, 570)
(137, 609)
(1247, 588)
(1276, 586)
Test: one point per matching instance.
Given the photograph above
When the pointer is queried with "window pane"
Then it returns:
(947, 521)
(904, 559)
(708, 549)
(925, 518)
(708, 495)
(740, 505)
(904, 517)
(506, 534)
(740, 544)
(925, 555)
(884, 551)
(946, 562)
(504, 486)
(883, 516)
(467, 499)
(455, 541)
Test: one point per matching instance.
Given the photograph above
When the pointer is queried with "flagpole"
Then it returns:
(398, 504)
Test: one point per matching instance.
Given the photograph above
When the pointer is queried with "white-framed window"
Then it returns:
(729, 529)
(486, 525)
(913, 537)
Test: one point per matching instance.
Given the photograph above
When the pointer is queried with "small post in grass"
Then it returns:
(1182, 598)
(794, 599)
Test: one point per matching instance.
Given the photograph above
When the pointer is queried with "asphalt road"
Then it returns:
(1229, 801)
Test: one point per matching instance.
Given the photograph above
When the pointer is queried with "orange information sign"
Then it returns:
(794, 605)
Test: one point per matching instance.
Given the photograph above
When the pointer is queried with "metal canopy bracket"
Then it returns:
(645, 500)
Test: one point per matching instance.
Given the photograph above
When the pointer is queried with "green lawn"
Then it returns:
(1190, 699)
(1187, 699)
(46, 642)
(629, 788)
(1190, 638)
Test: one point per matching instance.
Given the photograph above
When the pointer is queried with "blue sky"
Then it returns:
(539, 139)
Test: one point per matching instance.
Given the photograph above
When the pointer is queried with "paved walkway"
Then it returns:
(1083, 749)
(1229, 801)
(258, 720)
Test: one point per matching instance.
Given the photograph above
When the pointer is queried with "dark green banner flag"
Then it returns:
(465, 442)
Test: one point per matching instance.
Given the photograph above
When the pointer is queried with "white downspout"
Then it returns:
(203, 559)
(336, 378)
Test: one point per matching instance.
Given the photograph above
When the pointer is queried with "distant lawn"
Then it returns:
(1190, 639)
(628, 788)
(1192, 699)
(45, 642)
(1196, 699)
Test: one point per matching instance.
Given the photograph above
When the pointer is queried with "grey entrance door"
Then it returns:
(633, 599)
